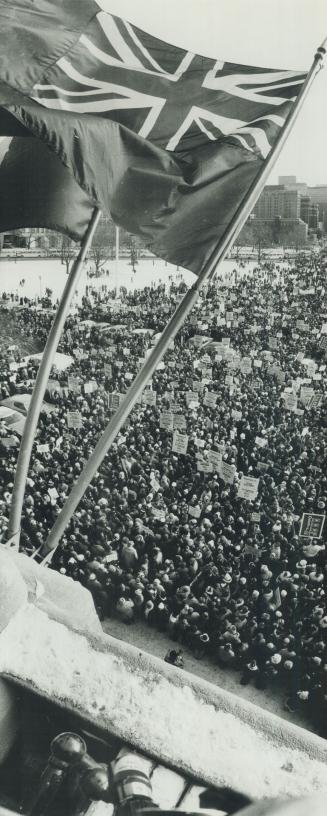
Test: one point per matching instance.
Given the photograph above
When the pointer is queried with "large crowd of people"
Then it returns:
(206, 517)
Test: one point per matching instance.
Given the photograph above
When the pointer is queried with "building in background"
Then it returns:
(288, 214)
(318, 195)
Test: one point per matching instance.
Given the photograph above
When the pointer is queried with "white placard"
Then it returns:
(166, 421)
(248, 488)
(210, 399)
(290, 402)
(180, 442)
(179, 422)
(215, 458)
(74, 419)
(227, 472)
(43, 448)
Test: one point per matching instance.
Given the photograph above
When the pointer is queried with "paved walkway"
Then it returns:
(158, 643)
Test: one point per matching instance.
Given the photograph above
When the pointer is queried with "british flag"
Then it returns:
(176, 99)
(169, 142)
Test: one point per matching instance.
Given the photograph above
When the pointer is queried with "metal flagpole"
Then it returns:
(116, 258)
(177, 320)
(35, 406)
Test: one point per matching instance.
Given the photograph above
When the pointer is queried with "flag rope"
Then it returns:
(177, 320)
(35, 406)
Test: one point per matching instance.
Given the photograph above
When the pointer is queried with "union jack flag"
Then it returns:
(167, 141)
(176, 99)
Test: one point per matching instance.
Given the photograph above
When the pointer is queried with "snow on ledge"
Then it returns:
(177, 718)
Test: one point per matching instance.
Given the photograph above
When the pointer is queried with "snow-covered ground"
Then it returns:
(162, 711)
(158, 643)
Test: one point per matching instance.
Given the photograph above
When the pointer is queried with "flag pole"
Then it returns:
(178, 318)
(43, 374)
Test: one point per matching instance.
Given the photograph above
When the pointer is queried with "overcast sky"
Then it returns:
(267, 33)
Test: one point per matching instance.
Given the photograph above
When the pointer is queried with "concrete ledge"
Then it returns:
(58, 595)
(180, 720)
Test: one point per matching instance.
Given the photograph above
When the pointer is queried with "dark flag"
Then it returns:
(168, 141)
(36, 189)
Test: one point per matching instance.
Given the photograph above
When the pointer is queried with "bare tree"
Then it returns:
(67, 252)
(102, 245)
(261, 237)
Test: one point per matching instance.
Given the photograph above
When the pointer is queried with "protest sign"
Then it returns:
(262, 466)
(149, 398)
(256, 517)
(227, 472)
(315, 401)
(9, 441)
(192, 397)
(74, 419)
(199, 442)
(305, 394)
(111, 558)
(108, 369)
(180, 442)
(204, 466)
(207, 372)
(280, 375)
(179, 422)
(53, 493)
(158, 513)
(290, 401)
(215, 459)
(43, 448)
(237, 415)
(246, 365)
(90, 387)
(311, 368)
(166, 421)
(210, 399)
(311, 525)
(248, 488)
(74, 384)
